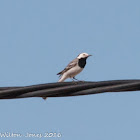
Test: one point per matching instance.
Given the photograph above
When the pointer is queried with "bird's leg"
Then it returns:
(72, 80)
(77, 79)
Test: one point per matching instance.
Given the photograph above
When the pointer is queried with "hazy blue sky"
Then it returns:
(38, 38)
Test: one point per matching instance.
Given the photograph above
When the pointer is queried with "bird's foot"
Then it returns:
(81, 81)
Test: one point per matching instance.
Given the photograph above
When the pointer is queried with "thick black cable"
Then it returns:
(66, 89)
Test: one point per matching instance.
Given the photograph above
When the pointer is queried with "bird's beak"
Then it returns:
(89, 55)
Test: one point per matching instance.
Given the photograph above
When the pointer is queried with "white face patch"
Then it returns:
(82, 55)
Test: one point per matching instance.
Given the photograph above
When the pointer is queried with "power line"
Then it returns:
(65, 89)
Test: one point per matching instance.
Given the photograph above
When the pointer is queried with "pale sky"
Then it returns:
(39, 38)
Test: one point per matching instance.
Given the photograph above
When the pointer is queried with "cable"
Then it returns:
(65, 89)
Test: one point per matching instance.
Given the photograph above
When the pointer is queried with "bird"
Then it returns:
(74, 67)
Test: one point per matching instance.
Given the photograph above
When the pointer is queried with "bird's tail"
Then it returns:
(62, 78)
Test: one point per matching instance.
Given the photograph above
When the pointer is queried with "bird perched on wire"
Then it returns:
(74, 67)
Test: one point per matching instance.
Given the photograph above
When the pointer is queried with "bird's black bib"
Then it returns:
(82, 62)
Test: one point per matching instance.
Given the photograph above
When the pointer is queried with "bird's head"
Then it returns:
(83, 55)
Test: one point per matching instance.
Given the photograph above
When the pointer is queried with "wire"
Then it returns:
(65, 89)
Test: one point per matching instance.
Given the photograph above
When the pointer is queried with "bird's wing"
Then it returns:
(69, 66)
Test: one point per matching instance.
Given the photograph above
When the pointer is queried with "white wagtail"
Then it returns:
(74, 67)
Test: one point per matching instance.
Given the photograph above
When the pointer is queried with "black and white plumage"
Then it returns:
(74, 67)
